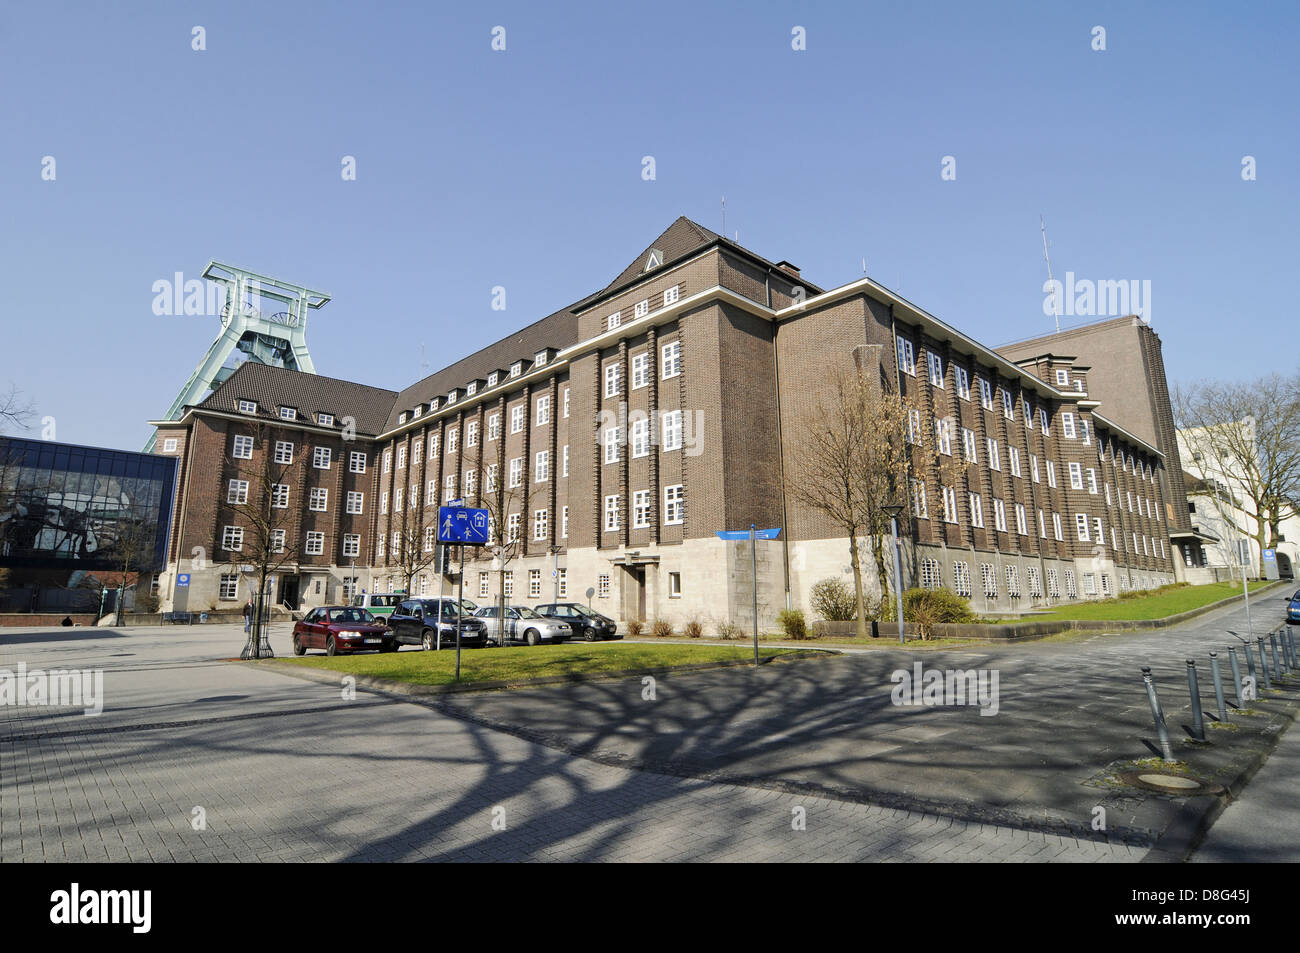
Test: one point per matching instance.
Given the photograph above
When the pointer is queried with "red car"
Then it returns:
(341, 629)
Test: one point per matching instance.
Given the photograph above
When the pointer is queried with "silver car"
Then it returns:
(522, 624)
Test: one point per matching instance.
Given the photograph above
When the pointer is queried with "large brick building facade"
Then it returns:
(617, 435)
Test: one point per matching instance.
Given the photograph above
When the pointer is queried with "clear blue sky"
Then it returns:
(523, 169)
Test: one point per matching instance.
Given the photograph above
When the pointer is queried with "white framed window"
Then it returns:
(674, 504)
(379, 546)
(512, 526)
(494, 427)
(541, 524)
(564, 464)
(542, 466)
(976, 510)
(1051, 473)
(325, 420)
(247, 407)
(277, 540)
(641, 309)
(611, 513)
(1013, 460)
(433, 446)
(1089, 584)
(356, 500)
(232, 538)
(517, 418)
(963, 383)
(1057, 530)
(169, 445)
(931, 574)
(516, 368)
(280, 496)
(674, 585)
(1053, 584)
(516, 472)
(229, 588)
(564, 522)
(913, 426)
(1092, 481)
(288, 413)
(453, 437)
(640, 370)
(508, 584)
(641, 437)
(670, 296)
(534, 584)
(401, 456)
(1013, 582)
(935, 363)
(1035, 582)
(999, 516)
(471, 434)
(1084, 433)
(1042, 525)
(484, 582)
(566, 402)
(351, 544)
(1067, 426)
(969, 445)
(237, 492)
(1044, 422)
(640, 508)
(919, 508)
(989, 579)
(283, 451)
(383, 502)
(242, 448)
(995, 459)
(1081, 526)
(906, 356)
(961, 578)
(315, 544)
(357, 461)
(431, 493)
(398, 497)
(321, 457)
(943, 436)
(1008, 405)
(1062, 378)
(613, 379)
(1033, 468)
(1029, 413)
(1098, 532)
(388, 461)
(1076, 476)
(949, 504)
(539, 359)
(471, 482)
(318, 498)
(602, 586)
(611, 444)
(1022, 525)
(670, 359)
(543, 410)
(490, 478)
(449, 487)
(614, 320)
(672, 430)
(986, 392)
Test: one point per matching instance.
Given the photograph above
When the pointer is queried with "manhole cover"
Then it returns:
(1169, 781)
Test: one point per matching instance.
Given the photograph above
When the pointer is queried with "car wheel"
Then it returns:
(533, 637)
(330, 647)
(589, 635)
(297, 646)
(427, 640)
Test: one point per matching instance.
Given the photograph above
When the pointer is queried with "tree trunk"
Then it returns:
(856, 561)
(878, 553)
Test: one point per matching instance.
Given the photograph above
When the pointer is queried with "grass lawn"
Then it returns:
(1154, 606)
(519, 662)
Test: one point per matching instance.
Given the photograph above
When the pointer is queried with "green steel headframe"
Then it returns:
(278, 339)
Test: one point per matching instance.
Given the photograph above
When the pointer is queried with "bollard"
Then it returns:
(1290, 640)
(1250, 663)
(1218, 686)
(1157, 715)
(1263, 663)
(1272, 651)
(1236, 676)
(1283, 637)
(1194, 690)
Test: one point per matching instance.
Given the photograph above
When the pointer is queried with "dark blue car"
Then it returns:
(1293, 609)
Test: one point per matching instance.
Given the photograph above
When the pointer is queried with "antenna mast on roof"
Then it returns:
(424, 365)
(724, 215)
(1050, 280)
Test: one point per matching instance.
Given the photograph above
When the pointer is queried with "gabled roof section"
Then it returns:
(678, 240)
(310, 394)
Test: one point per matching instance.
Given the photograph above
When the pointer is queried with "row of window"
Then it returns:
(286, 413)
(318, 497)
(232, 540)
(642, 308)
(670, 364)
(322, 458)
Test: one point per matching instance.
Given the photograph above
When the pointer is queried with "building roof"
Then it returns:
(678, 240)
(309, 394)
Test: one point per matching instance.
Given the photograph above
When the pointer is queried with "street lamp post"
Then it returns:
(893, 511)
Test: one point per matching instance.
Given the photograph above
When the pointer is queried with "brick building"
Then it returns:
(623, 431)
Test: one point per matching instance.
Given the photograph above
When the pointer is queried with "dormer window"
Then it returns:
(471, 388)
(670, 296)
(288, 413)
(516, 368)
(417, 410)
(325, 420)
(615, 319)
(642, 309)
(654, 259)
(492, 379)
(247, 407)
(539, 359)
(401, 418)
(1063, 378)
(433, 405)
(451, 398)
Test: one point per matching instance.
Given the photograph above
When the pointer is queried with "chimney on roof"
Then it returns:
(788, 268)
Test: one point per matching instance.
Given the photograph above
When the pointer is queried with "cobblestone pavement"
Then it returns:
(284, 769)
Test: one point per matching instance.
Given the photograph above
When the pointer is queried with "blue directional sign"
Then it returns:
(744, 533)
(462, 524)
(1270, 555)
(182, 580)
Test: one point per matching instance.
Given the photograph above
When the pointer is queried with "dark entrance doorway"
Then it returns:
(634, 593)
(1284, 569)
(289, 592)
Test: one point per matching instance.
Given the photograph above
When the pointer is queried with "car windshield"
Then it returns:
(583, 610)
(448, 609)
(526, 613)
(360, 616)
(384, 601)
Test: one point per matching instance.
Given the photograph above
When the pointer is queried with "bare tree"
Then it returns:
(417, 541)
(1247, 436)
(853, 460)
(131, 549)
(504, 543)
(261, 507)
(15, 410)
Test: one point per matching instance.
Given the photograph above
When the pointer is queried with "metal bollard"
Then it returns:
(1236, 676)
(1250, 663)
(1158, 715)
(1272, 650)
(1218, 686)
(1290, 639)
(1282, 636)
(1194, 690)
(1263, 663)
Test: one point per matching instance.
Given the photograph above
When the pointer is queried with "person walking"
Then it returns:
(248, 615)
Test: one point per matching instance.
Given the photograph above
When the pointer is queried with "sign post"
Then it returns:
(753, 535)
(463, 526)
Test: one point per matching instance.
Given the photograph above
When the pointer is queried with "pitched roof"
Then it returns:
(676, 241)
(309, 394)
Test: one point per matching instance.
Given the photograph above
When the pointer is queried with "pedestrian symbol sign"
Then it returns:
(462, 524)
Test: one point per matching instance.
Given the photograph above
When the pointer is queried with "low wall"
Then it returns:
(34, 620)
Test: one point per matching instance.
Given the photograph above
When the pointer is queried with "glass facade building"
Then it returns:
(65, 506)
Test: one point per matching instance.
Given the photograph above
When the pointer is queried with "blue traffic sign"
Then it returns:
(1270, 555)
(182, 580)
(744, 533)
(462, 524)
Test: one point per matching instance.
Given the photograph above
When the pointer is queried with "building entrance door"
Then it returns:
(289, 592)
(634, 593)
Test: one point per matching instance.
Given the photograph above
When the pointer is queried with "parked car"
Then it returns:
(378, 604)
(341, 629)
(1293, 609)
(585, 622)
(522, 624)
(419, 622)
